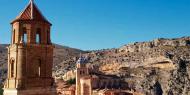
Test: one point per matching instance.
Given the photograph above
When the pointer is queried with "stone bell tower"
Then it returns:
(30, 55)
(81, 71)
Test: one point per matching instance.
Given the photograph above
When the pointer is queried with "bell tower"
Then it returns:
(30, 55)
(81, 71)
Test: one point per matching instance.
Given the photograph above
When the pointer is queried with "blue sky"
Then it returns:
(98, 24)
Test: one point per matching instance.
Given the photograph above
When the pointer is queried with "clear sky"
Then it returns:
(98, 24)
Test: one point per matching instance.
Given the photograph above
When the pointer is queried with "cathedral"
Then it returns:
(30, 55)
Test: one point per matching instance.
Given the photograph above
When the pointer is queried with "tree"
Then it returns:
(71, 81)
(1, 91)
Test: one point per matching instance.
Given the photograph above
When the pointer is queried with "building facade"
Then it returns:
(89, 83)
(30, 55)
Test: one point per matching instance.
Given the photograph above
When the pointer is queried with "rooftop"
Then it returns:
(31, 12)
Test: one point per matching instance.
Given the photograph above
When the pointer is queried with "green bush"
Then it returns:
(72, 81)
(1, 91)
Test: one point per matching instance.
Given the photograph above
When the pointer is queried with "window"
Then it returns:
(38, 36)
(48, 37)
(24, 35)
(12, 67)
(13, 36)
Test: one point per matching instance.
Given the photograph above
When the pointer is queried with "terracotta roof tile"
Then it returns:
(31, 12)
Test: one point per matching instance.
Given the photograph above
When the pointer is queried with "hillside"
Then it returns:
(3, 61)
(63, 57)
(161, 65)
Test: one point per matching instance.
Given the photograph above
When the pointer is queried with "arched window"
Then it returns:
(24, 37)
(12, 68)
(38, 36)
(48, 37)
(13, 36)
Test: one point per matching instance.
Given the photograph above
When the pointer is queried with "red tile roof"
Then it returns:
(31, 12)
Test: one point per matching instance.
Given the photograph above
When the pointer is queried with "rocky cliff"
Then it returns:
(158, 66)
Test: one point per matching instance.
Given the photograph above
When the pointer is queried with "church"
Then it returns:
(30, 55)
(89, 82)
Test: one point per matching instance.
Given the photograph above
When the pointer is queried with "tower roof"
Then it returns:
(31, 12)
(82, 60)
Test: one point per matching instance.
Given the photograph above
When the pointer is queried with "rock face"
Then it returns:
(161, 66)
(179, 83)
(3, 61)
(135, 47)
(144, 65)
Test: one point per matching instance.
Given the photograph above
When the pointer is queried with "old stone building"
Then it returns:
(90, 83)
(30, 55)
(81, 71)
